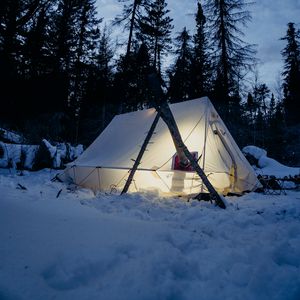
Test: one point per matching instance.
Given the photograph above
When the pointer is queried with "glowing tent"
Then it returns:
(105, 165)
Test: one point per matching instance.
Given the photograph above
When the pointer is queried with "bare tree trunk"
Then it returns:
(184, 154)
(135, 5)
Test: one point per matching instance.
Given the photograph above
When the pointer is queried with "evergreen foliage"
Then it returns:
(155, 31)
(291, 74)
(231, 56)
(201, 69)
(62, 78)
(181, 74)
(131, 17)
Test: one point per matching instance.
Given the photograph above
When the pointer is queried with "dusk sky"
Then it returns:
(268, 25)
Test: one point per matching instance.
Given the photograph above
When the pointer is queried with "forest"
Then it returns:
(63, 78)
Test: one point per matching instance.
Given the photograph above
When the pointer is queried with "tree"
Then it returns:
(17, 17)
(277, 136)
(201, 69)
(130, 83)
(231, 56)
(104, 74)
(64, 34)
(155, 28)
(98, 107)
(131, 16)
(85, 50)
(180, 75)
(35, 46)
(261, 93)
(14, 15)
(291, 74)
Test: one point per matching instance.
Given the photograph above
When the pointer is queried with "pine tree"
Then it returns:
(232, 57)
(131, 16)
(14, 15)
(180, 75)
(98, 108)
(261, 94)
(85, 50)
(291, 74)
(276, 139)
(131, 80)
(104, 77)
(35, 50)
(272, 107)
(64, 34)
(15, 22)
(155, 28)
(201, 70)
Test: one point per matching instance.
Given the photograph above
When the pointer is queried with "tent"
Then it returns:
(105, 165)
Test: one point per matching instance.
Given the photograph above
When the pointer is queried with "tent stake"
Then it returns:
(141, 153)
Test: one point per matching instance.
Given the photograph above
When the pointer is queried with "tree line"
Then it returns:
(61, 78)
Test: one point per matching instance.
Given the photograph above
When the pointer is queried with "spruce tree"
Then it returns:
(131, 16)
(131, 88)
(35, 50)
(15, 21)
(64, 34)
(201, 70)
(231, 56)
(155, 28)
(98, 108)
(180, 75)
(291, 74)
(85, 50)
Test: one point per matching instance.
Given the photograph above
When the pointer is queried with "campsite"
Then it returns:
(149, 150)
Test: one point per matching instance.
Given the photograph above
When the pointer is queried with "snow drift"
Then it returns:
(265, 165)
(142, 247)
(35, 157)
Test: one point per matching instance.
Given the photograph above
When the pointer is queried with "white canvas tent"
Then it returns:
(106, 163)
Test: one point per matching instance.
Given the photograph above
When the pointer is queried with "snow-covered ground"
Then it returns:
(269, 166)
(79, 246)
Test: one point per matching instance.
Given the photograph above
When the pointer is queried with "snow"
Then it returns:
(12, 154)
(62, 151)
(140, 246)
(269, 166)
(11, 136)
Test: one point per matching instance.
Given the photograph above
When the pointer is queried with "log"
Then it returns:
(185, 156)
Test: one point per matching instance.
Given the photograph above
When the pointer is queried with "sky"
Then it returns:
(268, 25)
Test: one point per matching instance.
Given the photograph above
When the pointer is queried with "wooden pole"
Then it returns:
(168, 118)
(183, 152)
(141, 153)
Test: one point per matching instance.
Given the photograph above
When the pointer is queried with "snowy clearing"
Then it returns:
(79, 246)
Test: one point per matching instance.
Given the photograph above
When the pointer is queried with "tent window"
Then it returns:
(176, 166)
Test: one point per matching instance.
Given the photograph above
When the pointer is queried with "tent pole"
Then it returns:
(183, 152)
(204, 147)
(168, 118)
(141, 153)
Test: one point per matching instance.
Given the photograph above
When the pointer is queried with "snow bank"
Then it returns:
(136, 246)
(269, 166)
(11, 136)
(62, 152)
(27, 156)
(13, 155)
